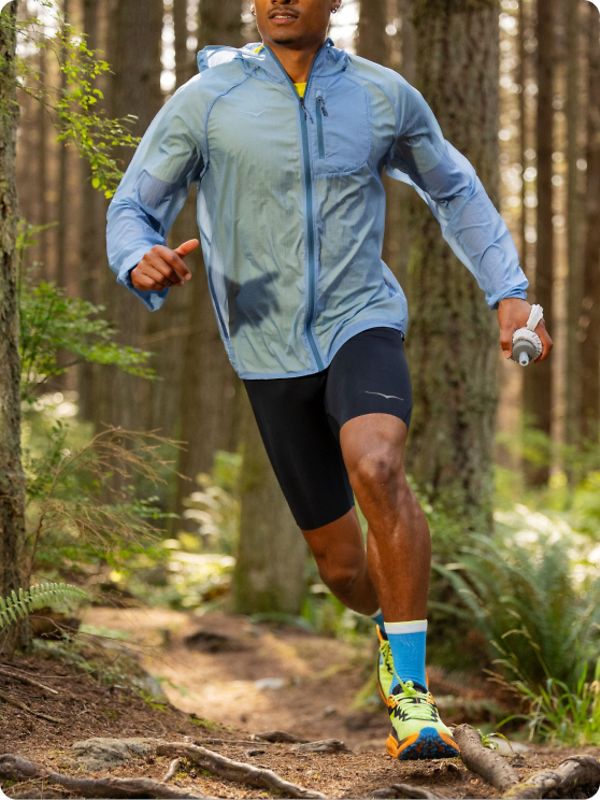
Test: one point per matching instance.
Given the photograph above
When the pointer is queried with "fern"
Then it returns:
(19, 604)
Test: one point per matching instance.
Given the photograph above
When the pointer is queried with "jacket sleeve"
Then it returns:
(448, 183)
(154, 188)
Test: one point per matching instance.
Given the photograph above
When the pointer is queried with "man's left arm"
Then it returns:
(446, 180)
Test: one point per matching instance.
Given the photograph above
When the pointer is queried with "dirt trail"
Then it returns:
(258, 677)
(230, 680)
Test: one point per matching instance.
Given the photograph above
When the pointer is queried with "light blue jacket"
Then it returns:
(291, 205)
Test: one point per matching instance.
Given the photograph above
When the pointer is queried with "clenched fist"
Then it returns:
(162, 267)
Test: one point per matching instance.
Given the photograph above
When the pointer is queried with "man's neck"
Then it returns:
(297, 63)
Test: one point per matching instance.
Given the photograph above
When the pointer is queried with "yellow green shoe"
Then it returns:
(385, 666)
(417, 730)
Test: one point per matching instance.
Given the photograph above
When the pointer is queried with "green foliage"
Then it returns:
(78, 517)
(53, 324)
(18, 605)
(559, 713)
(530, 604)
(215, 508)
(76, 106)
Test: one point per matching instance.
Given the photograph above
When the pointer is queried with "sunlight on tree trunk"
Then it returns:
(12, 481)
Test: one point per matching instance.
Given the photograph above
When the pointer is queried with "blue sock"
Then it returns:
(408, 642)
(377, 618)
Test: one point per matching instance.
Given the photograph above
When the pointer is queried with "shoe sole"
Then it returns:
(428, 743)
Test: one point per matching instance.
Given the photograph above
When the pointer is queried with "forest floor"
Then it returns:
(227, 680)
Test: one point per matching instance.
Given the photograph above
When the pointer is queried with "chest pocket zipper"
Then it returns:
(321, 113)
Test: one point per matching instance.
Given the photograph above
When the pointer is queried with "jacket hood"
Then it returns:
(328, 61)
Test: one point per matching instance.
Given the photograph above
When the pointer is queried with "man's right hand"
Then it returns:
(162, 267)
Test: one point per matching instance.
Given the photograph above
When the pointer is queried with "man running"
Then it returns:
(287, 141)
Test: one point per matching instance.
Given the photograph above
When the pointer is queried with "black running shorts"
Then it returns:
(300, 419)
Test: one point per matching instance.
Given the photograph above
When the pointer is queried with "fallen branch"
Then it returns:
(17, 768)
(488, 764)
(572, 773)
(14, 702)
(237, 771)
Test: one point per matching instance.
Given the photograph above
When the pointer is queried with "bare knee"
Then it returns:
(379, 474)
(340, 578)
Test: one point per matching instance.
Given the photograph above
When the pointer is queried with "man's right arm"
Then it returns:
(152, 192)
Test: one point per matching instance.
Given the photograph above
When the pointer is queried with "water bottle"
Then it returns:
(526, 344)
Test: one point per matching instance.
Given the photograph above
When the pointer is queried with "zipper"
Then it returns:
(308, 193)
(321, 112)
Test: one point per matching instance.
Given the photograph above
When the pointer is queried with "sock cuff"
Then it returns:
(376, 615)
(411, 626)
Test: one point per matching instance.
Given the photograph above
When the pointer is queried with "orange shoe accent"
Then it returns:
(449, 741)
(394, 747)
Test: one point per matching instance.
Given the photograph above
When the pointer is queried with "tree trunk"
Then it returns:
(590, 342)
(184, 60)
(135, 57)
(269, 573)
(538, 379)
(574, 229)
(12, 480)
(92, 249)
(452, 343)
(210, 389)
(371, 40)
(64, 201)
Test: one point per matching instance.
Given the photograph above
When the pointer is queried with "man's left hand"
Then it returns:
(513, 314)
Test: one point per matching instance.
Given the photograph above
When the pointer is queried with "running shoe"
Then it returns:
(417, 730)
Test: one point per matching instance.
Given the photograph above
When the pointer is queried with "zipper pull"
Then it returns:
(321, 103)
(307, 114)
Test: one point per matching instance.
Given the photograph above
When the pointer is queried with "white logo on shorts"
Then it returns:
(386, 396)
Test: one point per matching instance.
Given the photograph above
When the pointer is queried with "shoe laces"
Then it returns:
(411, 703)
(386, 654)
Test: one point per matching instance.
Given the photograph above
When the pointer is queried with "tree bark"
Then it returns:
(574, 228)
(209, 418)
(590, 311)
(269, 572)
(92, 252)
(135, 57)
(371, 41)
(452, 342)
(12, 480)
(538, 379)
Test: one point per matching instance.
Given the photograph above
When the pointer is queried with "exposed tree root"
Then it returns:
(172, 771)
(405, 790)
(488, 764)
(570, 774)
(17, 768)
(24, 707)
(237, 771)
(279, 736)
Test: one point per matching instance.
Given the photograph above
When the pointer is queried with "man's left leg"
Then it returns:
(399, 558)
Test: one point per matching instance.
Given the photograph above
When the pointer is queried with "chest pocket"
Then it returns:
(343, 129)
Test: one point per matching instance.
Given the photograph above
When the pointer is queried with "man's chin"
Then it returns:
(286, 40)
